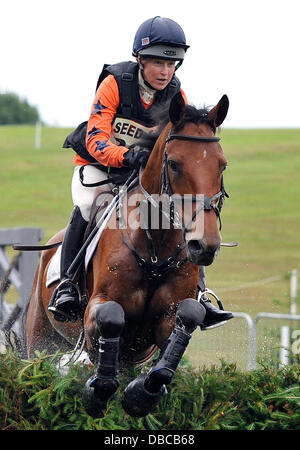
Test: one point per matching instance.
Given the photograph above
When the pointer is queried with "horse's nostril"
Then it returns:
(201, 254)
(195, 246)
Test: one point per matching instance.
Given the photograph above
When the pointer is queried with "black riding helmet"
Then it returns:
(160, 37)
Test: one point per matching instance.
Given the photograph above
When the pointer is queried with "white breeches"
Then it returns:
(83, 196)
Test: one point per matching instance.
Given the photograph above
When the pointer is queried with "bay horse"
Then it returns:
(141, 284)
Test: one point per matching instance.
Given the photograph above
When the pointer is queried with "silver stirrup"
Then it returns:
(210, 292)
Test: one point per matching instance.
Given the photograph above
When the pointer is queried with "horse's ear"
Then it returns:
(218, 113)
(177, 109)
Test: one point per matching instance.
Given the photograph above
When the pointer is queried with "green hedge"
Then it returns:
(35, 396)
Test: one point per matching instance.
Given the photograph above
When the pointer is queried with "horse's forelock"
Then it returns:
(194, 115)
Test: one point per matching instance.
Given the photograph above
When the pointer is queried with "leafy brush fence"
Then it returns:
(34, 395)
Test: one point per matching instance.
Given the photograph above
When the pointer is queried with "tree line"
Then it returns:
(14, 110)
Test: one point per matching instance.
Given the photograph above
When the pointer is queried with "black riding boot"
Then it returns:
(214, 317)
(66, 304)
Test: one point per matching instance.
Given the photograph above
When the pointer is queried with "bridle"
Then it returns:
(152, 268)
(209, 202)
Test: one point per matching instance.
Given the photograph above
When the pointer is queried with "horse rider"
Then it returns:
(126, 94)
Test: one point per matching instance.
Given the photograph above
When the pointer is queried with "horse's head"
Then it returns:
(193, 171)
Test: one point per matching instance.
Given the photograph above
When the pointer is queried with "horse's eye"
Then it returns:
(224, 167)
(173, 165)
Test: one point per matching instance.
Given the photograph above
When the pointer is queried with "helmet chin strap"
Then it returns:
(178, 65)
(147, 92)
(143, 81)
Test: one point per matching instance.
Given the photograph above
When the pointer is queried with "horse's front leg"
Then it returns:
(143, 394)
(104, 322)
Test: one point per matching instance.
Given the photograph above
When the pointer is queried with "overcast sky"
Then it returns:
(53, 50)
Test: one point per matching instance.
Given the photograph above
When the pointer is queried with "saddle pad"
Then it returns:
(53, 273)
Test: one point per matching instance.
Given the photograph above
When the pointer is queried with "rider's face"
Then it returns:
(158, 72)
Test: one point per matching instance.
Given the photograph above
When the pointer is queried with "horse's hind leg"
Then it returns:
(40, 335)
(110, 320)
(143, 394)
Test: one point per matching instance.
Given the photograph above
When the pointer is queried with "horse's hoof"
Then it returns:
(92, 404)
(137, 401)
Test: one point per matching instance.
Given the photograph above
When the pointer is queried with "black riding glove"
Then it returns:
(135, 158)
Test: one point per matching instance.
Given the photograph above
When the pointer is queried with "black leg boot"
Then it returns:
(66, 302)
(214, 317)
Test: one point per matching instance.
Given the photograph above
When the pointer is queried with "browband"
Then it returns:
(189, 137)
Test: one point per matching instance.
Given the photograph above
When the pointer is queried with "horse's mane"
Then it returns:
(160, 115)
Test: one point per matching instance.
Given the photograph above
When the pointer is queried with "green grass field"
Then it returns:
(262, 213)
